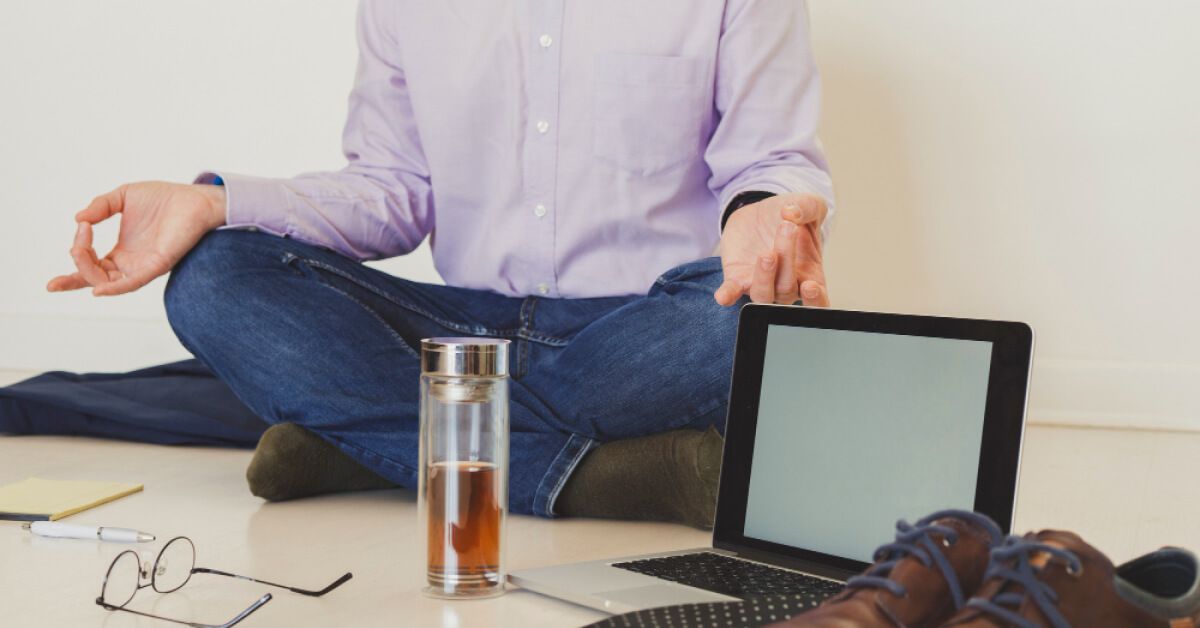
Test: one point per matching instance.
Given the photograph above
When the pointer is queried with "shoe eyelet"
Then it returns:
(946, 542)
(1073, 572)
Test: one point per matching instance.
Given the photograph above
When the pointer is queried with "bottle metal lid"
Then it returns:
(464, 357)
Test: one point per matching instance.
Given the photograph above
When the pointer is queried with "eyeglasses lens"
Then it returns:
(122, 580)
(174, 565)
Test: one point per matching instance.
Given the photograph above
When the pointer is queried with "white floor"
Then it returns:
(1126, 492)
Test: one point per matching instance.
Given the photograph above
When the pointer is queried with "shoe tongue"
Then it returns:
(955, 523)
(1037, 559)
(965, 527)
(1058, 538)
(1053, 538)
(1065, 540)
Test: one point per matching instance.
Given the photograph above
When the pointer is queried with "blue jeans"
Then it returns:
(303, 335)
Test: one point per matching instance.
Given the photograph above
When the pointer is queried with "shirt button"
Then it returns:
(545, 41)
(539, 210)
(543, 289)
(543, 126)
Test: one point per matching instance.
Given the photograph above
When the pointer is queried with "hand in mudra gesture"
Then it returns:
(160, 223)
(771, 251)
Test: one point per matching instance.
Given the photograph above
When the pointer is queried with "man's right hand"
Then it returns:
(160, 223)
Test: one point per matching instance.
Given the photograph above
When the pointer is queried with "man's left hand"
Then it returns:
(771, 251)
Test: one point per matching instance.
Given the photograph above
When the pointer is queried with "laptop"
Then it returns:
(839, 424)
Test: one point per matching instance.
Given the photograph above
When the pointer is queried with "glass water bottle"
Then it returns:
(463, 490)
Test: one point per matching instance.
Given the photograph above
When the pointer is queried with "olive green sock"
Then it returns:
(292, 462)
(664, 477)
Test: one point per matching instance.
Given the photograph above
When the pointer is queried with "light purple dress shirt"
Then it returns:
(560, 148)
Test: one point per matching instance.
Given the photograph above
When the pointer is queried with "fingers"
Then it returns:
(814, 294)
(762, 287)
(802, 209)
(85, 258)
(729, 292)
(63, 283)
(104, 275)
(102, 207)
(786, 286)
(809, 246)
(110, 268)
(123, 285)
(810, 268)
(119, 284)
(90, 270)
(775, 270)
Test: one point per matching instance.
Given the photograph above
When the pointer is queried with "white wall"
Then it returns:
(1023, 159)
(1029, 160)
(100, 93)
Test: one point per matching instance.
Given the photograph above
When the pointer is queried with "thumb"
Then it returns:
(145, 272)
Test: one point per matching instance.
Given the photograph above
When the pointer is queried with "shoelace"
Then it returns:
(916, 541)
(1018, 551)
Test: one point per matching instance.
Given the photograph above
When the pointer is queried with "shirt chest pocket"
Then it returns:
(649, 111)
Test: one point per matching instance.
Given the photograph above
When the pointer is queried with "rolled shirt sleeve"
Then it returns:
(380, 205)
(768, 97)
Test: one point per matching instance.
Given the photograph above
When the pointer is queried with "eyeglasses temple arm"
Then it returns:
(246, 613)
(333, 585)
(240, 616)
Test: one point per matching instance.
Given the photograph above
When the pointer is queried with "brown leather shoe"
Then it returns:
(919, 580)
(1053, 578)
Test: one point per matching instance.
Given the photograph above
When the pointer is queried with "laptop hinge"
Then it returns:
(787, 562)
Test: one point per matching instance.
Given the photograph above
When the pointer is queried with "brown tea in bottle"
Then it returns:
(465, 518)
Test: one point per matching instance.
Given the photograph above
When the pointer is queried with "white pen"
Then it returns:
(71, 531)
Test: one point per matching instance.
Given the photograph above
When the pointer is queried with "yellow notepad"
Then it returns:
(36, 499)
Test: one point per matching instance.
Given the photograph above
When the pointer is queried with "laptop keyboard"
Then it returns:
(731, 576)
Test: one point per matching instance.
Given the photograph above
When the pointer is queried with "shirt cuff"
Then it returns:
(253, 202)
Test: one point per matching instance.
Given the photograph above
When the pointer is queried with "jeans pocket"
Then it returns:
(648, 111)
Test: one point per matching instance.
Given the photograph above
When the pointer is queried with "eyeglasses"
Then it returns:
(172, 569)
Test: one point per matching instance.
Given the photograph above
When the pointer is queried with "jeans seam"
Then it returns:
(528, 306)
(522, 344)
(689, 417)
(527, 332)
(523, 317)
(522, 359)
(560, 470)
(459, 327)
(391, 330)
(541, 338)
(352, 449)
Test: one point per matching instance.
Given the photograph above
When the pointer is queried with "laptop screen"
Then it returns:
(856, 430)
